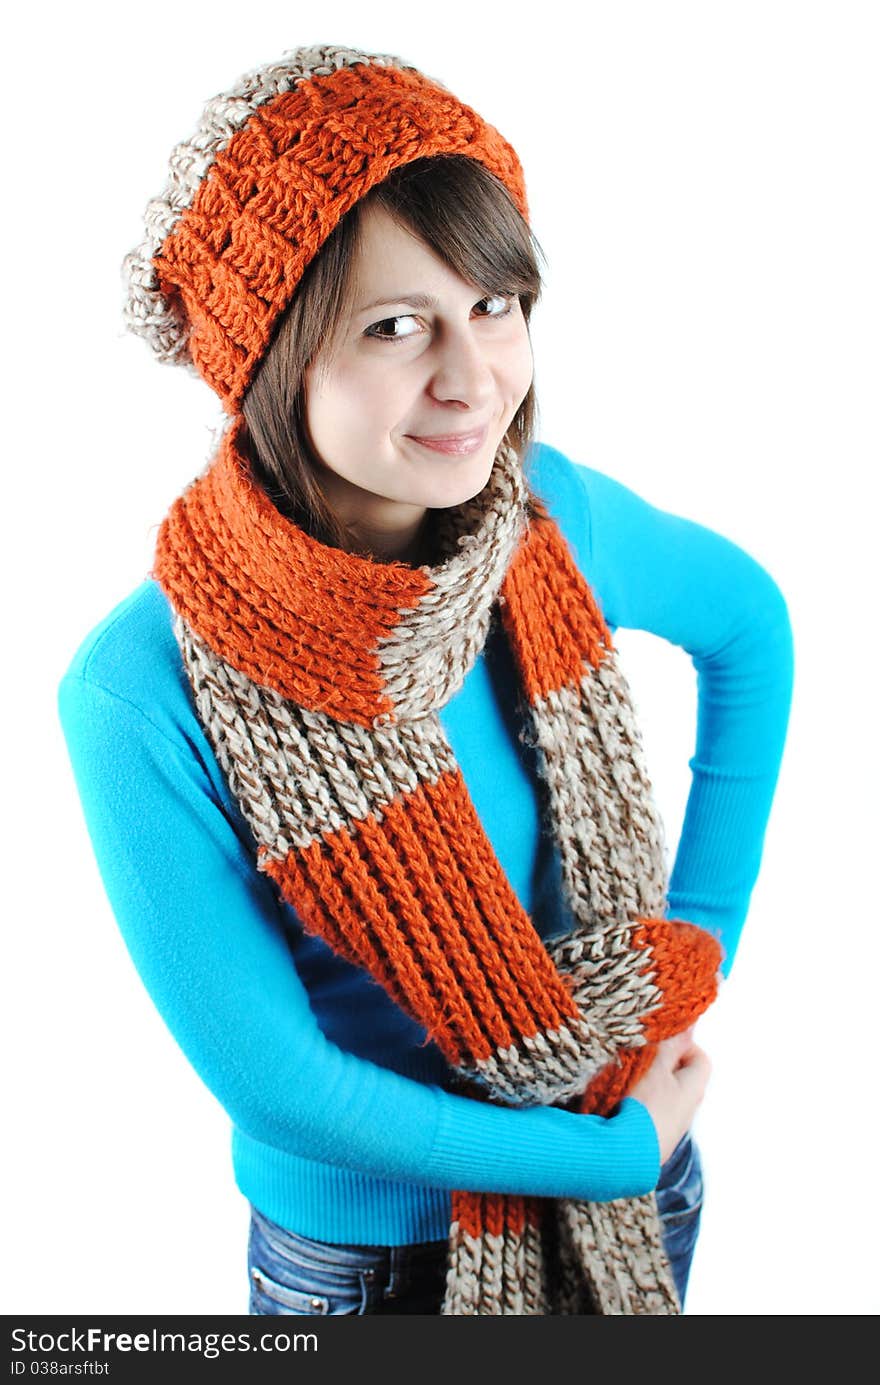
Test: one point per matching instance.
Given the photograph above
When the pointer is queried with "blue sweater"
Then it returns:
(341, 1126)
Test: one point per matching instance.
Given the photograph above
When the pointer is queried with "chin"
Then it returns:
(451, 490)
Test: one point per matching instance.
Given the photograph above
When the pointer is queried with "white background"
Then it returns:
(703, 179)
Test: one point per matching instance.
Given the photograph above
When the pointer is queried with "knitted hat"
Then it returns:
(251, 197)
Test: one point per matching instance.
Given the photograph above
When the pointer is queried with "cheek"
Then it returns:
(315, 393)
(519, 368)
(361, 399)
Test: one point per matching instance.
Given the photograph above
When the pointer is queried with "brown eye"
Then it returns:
(384, 330)
(504, 304)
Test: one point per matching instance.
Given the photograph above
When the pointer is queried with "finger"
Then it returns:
(694, 1071)
(676, 1047)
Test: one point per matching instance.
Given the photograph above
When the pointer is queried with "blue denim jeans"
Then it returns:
(680, 1202)
(295, 1274)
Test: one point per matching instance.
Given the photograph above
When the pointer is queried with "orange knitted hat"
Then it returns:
(251, 197)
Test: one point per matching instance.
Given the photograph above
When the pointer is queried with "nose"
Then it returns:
(462, 371)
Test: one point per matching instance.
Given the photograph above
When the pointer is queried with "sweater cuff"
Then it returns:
(542, 1151)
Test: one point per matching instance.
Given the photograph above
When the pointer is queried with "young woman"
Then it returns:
(358, 761)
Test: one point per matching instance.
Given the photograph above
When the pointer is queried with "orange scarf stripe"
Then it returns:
(428, 927)
(251, 644)
(473, 1008)
(282, 560)
(372, 873)
(315, 645)
(542, 578)
(612, 1084)
(332, 885)
(405, 821)
(327, 910)
(479, 1214)
(508, 925)
(236, 255)
(684, 963)
(515, 984)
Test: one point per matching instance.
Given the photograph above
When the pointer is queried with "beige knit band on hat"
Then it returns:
(251, 197)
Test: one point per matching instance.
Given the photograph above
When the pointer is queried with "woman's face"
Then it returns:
(421, 355)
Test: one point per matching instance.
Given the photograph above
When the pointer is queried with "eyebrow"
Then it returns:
(413, 300)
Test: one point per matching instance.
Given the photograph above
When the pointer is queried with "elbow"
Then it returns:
(746, 681)
(760, 637)
(774, 626)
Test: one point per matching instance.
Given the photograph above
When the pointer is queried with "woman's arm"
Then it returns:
(655, 571)
(204, 930)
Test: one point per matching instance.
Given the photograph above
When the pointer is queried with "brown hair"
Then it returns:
(467, 216)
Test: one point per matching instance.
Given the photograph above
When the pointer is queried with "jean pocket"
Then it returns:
(268, 1297)
(293, 1274)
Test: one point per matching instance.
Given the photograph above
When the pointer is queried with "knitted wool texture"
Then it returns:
(318, 676)
(271, 170)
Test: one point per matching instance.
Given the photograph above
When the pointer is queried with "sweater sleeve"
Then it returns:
(204, 931)
(661, 573)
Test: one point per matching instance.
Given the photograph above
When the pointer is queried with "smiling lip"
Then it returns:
(454, 444)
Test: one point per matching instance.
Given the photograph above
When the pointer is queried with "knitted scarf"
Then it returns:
(318, 676)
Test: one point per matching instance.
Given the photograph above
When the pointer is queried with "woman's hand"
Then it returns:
(673, 1088)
